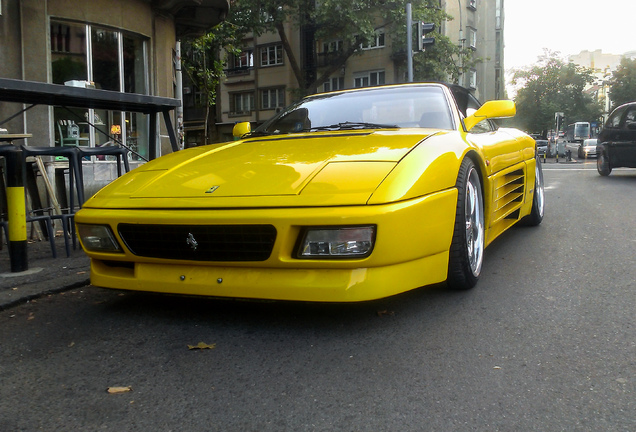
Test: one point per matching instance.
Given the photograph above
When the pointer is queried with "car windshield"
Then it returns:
(424, 106)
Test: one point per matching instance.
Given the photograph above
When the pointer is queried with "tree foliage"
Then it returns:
(623, 83)
(552, 85)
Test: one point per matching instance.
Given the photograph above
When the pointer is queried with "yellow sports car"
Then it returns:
(343, 196)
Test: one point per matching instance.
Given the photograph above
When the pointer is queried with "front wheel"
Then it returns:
(602, 163)
(467, 247)
(538, 200)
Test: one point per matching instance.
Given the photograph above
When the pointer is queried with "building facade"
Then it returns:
(602, 66)
(118, 45)
(260, 80)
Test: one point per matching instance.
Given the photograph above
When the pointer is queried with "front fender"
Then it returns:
(430, 167)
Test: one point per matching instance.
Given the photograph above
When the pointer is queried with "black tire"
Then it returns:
(538, 199)
(467, 247)
(602, 163)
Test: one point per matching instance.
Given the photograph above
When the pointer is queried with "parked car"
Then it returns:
(542, 147)
(588, 148)
(617, 141)
(343, 196)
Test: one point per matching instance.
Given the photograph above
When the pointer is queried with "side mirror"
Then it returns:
(241, 129)
(490, 110)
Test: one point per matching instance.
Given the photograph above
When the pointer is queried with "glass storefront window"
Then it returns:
(109, 60)
(68, 52)
(105, 59)
(134, 66)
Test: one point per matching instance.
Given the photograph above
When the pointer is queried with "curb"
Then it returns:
(12, 297)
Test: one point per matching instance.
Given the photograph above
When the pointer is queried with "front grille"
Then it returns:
(200, 242)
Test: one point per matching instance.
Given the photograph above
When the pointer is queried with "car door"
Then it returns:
(623, 146)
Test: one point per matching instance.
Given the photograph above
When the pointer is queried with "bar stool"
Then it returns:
(75, 172)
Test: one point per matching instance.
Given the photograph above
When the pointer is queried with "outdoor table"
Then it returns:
(6, 137)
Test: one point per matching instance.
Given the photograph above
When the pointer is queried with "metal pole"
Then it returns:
(409, 42)
(16, 203)
(179, 95)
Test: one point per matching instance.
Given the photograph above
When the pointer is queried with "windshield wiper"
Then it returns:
(353, 125)
(258, 134)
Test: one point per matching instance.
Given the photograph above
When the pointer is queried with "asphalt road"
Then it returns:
(545, 342)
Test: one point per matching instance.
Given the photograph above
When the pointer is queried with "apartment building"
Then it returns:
(260, 80)
(602, 66)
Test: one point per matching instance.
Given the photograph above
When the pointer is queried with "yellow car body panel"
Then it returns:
(402, 181)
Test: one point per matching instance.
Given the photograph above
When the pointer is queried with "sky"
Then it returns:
(567, 26)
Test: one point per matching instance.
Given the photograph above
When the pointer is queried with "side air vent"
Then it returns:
(509, 192)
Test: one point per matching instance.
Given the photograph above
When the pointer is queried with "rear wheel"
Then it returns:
(467, 248)
(602, 163)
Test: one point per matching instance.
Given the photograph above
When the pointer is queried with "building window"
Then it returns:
(242, 63)
(333, 84)
(242, 103)
(498, 83)
(273, 98)
(110, 60)
(472, 38)
(472, 79)
(367, 79)
(332, 46)
(272, 55)
(498, 13)
(377, 42)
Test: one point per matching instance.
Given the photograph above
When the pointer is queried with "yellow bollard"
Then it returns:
(16, 203)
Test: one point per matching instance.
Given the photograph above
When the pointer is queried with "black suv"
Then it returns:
(617, 141)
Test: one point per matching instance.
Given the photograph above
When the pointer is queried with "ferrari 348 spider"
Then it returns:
(344, 196)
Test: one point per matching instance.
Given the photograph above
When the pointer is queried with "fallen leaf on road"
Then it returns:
(118, 390)
(82, 272)
(382, 313)
(201, 345)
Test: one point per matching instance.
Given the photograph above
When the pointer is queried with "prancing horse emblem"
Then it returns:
(212, 189)
(192, 242)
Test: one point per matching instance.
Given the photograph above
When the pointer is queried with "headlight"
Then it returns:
(98, 238)
(340, 242)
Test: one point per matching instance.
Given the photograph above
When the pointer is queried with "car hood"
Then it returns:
(299, 170)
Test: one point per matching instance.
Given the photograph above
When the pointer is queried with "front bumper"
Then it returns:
(411, 250)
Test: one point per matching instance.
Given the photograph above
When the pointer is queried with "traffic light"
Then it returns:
(558, 120)
(422, 30)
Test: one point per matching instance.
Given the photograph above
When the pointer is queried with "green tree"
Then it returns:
(623, 83)
(552, 85)
(200, 55)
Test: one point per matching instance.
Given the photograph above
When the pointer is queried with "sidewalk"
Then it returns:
(45, 274)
